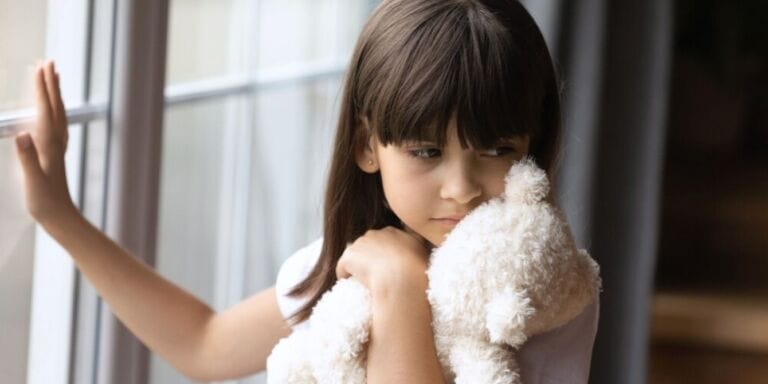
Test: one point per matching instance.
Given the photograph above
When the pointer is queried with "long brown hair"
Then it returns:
(417, 65)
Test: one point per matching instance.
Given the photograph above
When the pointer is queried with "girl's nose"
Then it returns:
(460, 183)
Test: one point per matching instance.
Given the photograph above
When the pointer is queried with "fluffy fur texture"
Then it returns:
(509, 270)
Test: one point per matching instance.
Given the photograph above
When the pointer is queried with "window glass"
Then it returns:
(205, 39)
(190, 205)
(293, 32)
(207, 242)
(242, 176)
(33, 349)
(17, 238)
(17, 55)
(294, 128)
(17, 230)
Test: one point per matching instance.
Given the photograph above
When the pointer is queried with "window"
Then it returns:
(250, 107)
(247, 131)
(17, 232)
(37, 277)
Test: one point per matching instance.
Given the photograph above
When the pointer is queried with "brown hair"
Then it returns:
(418, 64)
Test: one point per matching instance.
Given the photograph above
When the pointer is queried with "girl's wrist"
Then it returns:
(63, 217)
(399, 284)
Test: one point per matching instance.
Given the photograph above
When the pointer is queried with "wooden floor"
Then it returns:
(671, 364)
(706, 338)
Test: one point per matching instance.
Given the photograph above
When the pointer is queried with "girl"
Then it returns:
(440, 99)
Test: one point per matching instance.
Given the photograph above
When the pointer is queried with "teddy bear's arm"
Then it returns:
(506, 316)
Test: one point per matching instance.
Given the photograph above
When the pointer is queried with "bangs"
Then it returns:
(453, 60)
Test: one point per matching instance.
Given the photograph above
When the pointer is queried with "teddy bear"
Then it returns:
(507, 271)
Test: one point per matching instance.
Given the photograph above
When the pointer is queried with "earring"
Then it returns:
(370, 162)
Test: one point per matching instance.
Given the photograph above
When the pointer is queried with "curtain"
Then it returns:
(614, 59)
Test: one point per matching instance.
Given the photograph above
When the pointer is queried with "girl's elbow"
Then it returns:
(198, 372)
(204, 374)
(199, 367)
(214, 368)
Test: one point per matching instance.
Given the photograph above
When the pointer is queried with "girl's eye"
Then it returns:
(425, 153)
(499, 151)
(431, 153)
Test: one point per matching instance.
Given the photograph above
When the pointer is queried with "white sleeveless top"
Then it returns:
(562, 355)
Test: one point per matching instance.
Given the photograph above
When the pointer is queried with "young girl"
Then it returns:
(440, 99)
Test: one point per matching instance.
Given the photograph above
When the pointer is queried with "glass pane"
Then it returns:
(191, 168)
(101, 51)
(211, 39)
(84, 345)
(17, 55)
(292, 32)
(287, 134)
(17, 230)
(205, 39)
(243, 177)
(30, 31)
(190, 201)
(17, 238)
(291, 150)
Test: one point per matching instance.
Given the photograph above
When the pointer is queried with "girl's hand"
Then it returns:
(385, 259)
(42, 150)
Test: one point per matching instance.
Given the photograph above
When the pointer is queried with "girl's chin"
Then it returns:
(434, 241)
(428, 243)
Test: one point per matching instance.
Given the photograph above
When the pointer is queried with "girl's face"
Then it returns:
(430, 189)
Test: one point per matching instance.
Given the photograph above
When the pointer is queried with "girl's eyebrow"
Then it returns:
(511, 139)
(419, 142)
(515, 139)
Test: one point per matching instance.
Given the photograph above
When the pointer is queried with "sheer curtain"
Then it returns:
(614, 58)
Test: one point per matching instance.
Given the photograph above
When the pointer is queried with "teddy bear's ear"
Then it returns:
(526, 183)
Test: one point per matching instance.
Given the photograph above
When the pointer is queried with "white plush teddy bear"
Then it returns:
(509, 270)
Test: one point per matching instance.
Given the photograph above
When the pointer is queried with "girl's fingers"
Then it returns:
(341, 272)
(63, 123)
(27, 153)
(62, 110)
(44, 112)
(54, 97)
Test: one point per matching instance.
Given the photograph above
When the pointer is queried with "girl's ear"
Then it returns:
(365, 149)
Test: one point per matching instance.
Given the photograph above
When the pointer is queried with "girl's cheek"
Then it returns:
(411, 186)
(419, 167)
(409, 189)
(413, 169)
(495, 181)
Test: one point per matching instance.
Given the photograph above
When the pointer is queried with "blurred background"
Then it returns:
(201, 130)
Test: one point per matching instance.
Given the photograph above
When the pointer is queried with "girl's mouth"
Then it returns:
(447, 222)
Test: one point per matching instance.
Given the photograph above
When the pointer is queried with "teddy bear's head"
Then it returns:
(526, 183)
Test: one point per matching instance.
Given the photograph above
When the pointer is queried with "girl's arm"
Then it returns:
(180, 328)
(392, 263)
(402, 347)
(199, 343)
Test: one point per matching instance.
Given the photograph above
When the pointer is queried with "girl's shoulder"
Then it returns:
(293, 271)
